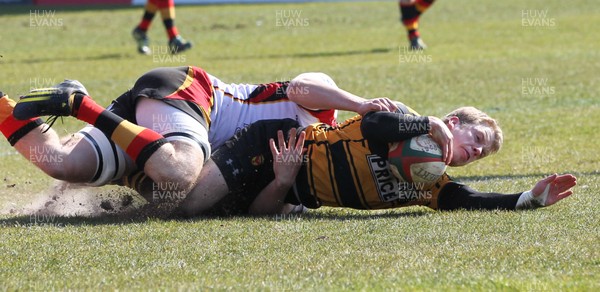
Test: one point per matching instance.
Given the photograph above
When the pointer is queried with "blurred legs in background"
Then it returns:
(167, 12)
(410, 11)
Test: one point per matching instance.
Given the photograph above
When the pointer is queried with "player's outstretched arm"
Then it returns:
(287, 160)
(318, 91)
(546, 192)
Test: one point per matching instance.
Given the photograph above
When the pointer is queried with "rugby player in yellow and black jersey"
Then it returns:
(347, 166)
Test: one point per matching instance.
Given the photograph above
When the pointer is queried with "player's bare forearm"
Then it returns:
(270, 200)
(317, 91)
(313, 91)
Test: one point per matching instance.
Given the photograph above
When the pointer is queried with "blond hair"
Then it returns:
(469, 115)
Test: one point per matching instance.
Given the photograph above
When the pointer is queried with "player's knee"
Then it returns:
(56, 171)
(180, 181)
(178, 166)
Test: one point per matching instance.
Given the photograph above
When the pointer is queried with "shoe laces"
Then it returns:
(50, 121)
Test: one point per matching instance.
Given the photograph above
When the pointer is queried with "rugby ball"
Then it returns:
(417, 160)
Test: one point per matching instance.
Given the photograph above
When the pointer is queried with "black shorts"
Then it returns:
(164, 84)
(246, 163)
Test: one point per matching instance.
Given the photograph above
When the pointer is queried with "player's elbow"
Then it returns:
(369, 126)
(301, 85)
(298, 88)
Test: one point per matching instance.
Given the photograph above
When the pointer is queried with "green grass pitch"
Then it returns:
(533, 65)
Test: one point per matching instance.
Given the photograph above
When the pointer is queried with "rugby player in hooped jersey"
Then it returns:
(336, 168)
(165, 127)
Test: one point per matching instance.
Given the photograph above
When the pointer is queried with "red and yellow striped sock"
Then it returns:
(149, 12)
(10, 127)
(410, 14)
(146, 21)
(171, 28)
(167, 13)
(138, 142)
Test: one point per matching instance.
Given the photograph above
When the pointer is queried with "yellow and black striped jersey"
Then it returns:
(345, 169)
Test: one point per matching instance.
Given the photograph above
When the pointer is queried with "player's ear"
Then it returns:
(452, 122)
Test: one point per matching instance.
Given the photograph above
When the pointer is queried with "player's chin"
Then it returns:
(458, 162)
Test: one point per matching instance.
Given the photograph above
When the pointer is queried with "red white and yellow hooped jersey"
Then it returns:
(235, 106)
(220, 109)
